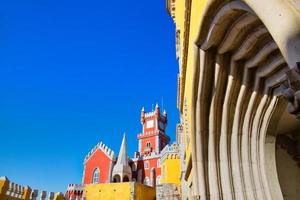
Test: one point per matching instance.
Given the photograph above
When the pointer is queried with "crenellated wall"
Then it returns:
(110, 153)
(75, 192)
(12, 191)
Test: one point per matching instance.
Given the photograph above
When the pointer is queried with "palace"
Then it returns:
(102, 166)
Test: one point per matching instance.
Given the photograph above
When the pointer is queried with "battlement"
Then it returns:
(149, 114)
(170, 152)
(151, 133)
(105, 149)
(153, 154)
(76, 187)
(12, 191)
(75, 191)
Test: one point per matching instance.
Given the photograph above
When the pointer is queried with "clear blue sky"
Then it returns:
(73, 73)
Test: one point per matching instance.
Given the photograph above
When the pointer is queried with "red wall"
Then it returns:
(97, 160)
(152, 164)
(150, 139)
(146, 172)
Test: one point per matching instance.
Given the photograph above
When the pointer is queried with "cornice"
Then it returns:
(183, 67)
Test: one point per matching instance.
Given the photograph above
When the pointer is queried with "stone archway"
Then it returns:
(240, 77)
(125, 179)
(117, 178)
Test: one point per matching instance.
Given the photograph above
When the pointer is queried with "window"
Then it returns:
(150, 124)
(148, 144)
(146, 165)
(96, 175)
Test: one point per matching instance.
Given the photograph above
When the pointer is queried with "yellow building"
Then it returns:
(120, 191)
(239, 97)
(170, 164)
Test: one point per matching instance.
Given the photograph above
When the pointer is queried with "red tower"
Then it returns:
(151, 141)
(153, 138)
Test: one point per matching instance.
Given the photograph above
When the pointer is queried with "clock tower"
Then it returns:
(153, 138)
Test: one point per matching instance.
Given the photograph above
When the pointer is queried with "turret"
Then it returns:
(165, 116)
(157, 110)
(143, 115)
(153, 137)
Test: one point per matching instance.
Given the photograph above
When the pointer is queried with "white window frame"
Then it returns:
(96, 176)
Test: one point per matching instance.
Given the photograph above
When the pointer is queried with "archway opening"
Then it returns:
(125, 179)
(117, 178)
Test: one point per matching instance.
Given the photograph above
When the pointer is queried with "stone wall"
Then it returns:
(168, 191)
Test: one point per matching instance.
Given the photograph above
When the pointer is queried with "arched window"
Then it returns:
(117, 178)
(125, 179)
(96, 175)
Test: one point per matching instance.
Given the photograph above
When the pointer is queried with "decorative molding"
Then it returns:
(170, 152)
(183, 64)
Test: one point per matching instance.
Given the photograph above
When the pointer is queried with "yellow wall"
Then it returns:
(171, 171)
(4, 186)
(196, 11)
(144, 192)
(120, 191)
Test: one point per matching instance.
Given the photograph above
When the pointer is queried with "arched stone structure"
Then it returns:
(245, 72)
(240, 73)
(125, 179)
(116, 178)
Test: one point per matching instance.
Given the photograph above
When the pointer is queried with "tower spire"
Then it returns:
(123, 157)
(122, 170)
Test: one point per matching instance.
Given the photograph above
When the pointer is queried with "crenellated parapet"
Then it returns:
(105, 149)
(151, 155)
(43, 195)
(13, 191)
(170, 152)
(150, 133)
(171, 8)
(75, 191)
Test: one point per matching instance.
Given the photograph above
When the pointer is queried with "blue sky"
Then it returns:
(73, 73)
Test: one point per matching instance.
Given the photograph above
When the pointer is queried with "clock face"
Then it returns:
(150, 124)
